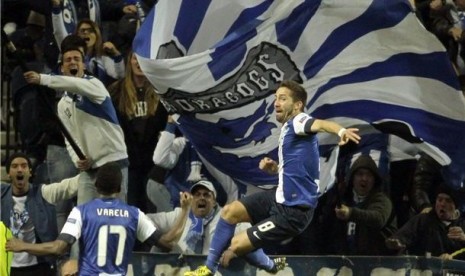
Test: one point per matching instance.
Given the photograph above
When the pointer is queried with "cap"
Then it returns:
(204, 183)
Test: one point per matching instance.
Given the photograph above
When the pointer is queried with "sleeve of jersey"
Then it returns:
(72, 226)
(145, 227)
(302, 124)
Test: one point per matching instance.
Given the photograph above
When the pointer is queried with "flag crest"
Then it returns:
(363, 63)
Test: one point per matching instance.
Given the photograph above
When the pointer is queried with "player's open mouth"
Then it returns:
(20, 177)
(201, 205)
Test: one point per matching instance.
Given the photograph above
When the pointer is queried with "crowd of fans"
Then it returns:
(387, 203)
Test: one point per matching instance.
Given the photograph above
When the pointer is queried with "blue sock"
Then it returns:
(221, 239)
(259, 259)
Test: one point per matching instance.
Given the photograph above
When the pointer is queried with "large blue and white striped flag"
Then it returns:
(366, 63)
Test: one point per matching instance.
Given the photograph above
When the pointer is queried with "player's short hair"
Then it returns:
(298, 92)
(109, 179)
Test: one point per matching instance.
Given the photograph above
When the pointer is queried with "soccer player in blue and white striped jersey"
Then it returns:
(278, 215)
(106, 228)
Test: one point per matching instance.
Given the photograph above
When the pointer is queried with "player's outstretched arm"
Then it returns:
(346, 135)
(349, 134)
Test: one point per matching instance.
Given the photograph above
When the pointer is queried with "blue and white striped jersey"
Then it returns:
(107, 230)
(299, 167)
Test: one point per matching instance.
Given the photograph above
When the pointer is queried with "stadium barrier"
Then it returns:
(175, 264)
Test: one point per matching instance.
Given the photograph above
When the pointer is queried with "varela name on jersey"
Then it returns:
(112, 212)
